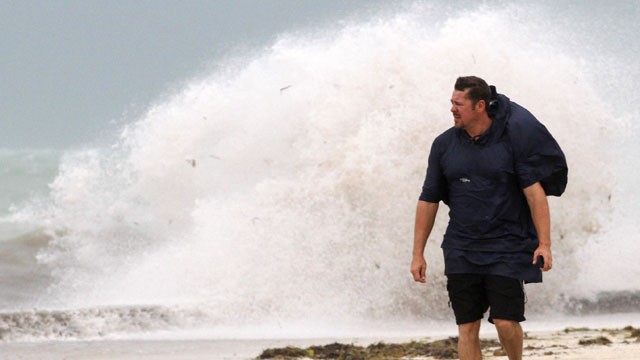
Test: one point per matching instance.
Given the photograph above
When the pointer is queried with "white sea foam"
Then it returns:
(283, 188)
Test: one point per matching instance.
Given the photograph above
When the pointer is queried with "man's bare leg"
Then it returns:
(469, 341)
(511, 337)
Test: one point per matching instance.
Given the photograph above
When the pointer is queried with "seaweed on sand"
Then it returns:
(441, 349)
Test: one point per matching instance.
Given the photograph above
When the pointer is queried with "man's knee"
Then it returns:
(506, 327)
(469, 331)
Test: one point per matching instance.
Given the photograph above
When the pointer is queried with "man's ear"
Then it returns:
(481, 105)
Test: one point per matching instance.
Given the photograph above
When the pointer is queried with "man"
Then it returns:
(494, 169)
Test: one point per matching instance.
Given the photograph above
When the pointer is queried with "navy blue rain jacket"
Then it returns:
(490, 226)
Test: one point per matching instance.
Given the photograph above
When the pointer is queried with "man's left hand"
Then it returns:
(545, 252)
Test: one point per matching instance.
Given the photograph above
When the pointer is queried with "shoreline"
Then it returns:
(567, 344)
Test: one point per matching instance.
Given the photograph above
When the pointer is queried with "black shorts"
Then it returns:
(471, 295)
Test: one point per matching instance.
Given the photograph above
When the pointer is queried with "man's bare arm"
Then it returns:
(425, 217)
(537, 200)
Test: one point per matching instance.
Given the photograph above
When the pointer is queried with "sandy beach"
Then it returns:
(570, 343)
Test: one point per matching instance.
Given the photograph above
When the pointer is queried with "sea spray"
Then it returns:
(285, 188)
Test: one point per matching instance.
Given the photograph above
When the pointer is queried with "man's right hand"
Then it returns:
(425, 217)
(419, 269)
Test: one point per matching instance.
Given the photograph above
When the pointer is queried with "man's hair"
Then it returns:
(478, 89)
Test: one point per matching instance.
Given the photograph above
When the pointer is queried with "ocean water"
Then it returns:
(275, 196)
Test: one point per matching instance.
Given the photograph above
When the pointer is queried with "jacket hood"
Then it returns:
(499, 110)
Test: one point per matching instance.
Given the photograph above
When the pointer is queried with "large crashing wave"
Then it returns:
(283, 185)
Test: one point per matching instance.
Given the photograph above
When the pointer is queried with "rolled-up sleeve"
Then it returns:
(434, 188)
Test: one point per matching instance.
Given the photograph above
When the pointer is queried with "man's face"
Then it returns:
(464, 113)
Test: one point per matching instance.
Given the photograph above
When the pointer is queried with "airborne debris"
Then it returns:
(284, 88)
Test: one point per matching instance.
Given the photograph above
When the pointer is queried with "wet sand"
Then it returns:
(582, 343)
